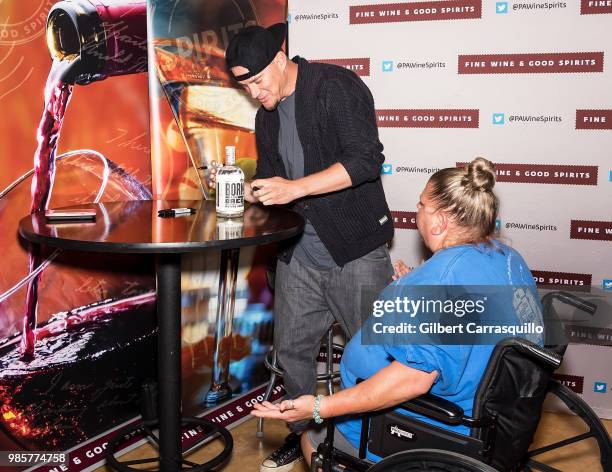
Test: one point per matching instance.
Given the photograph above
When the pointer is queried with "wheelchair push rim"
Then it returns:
(430, 460)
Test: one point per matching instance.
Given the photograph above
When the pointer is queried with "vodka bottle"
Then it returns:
(230, 187)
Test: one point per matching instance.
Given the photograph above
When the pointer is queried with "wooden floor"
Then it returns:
(249, 451)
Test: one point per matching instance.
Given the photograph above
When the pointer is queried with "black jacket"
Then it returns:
(336, 122)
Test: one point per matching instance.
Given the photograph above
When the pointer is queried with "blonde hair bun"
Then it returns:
(480, 175)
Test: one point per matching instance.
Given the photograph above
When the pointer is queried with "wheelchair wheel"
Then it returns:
(596, 430)
(430, 460)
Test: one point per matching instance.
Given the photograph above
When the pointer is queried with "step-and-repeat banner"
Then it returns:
(525, 84)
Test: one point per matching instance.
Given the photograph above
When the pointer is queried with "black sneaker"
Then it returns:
(285, 457)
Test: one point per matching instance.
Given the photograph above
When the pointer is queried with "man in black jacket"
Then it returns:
(319, 154)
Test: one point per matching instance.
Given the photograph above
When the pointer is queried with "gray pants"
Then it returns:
(309, 300)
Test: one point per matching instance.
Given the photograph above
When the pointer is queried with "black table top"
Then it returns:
(134, 227)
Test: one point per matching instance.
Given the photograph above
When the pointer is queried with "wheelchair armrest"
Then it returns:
(570, 299)
(435, 408)
(546, 357)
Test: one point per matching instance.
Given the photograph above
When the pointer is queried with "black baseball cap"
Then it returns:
(254, 48)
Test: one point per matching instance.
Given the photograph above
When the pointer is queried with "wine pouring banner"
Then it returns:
(77, 331)
(525, 84)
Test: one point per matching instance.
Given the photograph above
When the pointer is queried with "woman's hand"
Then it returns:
(401, 269)
(288, 410)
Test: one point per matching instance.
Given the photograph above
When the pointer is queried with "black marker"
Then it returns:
(170, 212)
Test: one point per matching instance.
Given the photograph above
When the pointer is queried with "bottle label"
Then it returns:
(230, 193)
(229, 229)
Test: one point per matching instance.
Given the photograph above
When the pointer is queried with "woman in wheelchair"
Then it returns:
(456, 218)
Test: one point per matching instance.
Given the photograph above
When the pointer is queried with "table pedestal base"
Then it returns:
(210, 429)
(168, 271)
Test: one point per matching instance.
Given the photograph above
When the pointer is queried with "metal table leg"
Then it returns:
(168, 270)
(228, 273)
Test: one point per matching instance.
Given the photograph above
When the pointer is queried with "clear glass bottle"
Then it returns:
(230, 187)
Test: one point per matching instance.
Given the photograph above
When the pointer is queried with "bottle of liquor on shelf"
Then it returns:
(230, 187)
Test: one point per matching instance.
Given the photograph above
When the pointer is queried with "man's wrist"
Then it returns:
(301, 187)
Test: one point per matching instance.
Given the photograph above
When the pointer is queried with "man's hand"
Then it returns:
(277, 191)
(212, 182)
(211, 175)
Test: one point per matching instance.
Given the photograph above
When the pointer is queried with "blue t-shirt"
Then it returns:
(460, 367)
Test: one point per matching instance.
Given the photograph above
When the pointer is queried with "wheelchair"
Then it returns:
(506, 412)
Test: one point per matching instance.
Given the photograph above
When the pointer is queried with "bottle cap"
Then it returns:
(230, 155)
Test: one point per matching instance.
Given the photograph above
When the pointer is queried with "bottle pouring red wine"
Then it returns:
(88, 40)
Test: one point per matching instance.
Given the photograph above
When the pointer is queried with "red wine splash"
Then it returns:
(57, 96)
(53, 401)
(111, 42)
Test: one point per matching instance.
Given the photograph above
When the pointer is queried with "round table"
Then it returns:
(135, 227)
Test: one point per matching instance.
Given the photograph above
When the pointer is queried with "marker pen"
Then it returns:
(170, 212)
